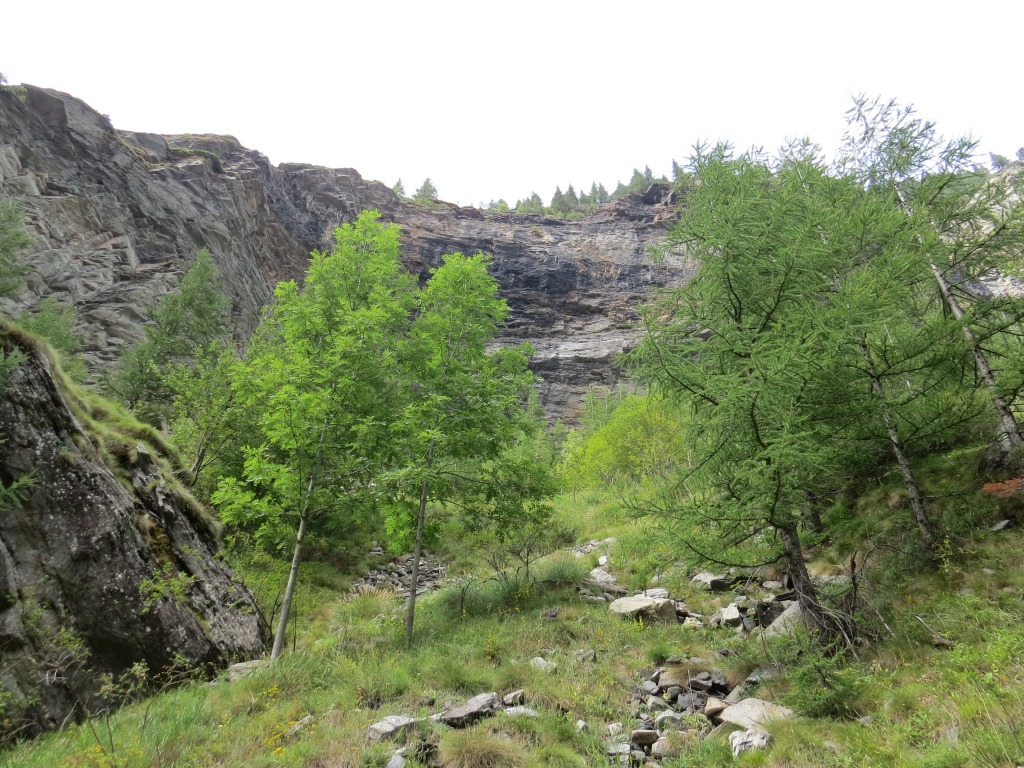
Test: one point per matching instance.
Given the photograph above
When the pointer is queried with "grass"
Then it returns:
(900, 702)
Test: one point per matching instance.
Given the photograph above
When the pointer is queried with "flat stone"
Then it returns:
(519, 712)
(245, 669)
(477, 707)
(666, 748)
(659, 592)
(654, 704)
(389, 727)
(712, 581)
(620, 748)
(649, 687)
(602, 577)
(748, 741)
(1001, 526)
(602, 560)
(396, 761)
(714, 706)
(751, 713)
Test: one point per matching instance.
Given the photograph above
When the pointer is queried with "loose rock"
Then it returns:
(747, 741)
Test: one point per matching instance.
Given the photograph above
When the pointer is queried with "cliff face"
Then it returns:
(104, 562)
(118, 215)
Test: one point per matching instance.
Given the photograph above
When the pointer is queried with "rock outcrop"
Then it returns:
(104, 561)
(117, 215)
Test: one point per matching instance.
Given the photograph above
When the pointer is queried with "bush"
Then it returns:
(478, 748)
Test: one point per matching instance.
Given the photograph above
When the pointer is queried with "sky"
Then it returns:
(497, 100)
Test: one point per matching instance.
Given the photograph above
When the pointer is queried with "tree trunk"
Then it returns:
(913, 489)
(1010, 433)
(410, 614)
(811, 516)
(293, 574)
(289, 591)
(815, 616)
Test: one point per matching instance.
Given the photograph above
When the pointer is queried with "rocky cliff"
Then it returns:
(116, 216)
(104, 561)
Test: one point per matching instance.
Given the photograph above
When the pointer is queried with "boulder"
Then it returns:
(643, 737)
(646, 608)
(787, 622)
(515, 698)
(750, 713)
(731, 616)
(469, 712)
(747, 741)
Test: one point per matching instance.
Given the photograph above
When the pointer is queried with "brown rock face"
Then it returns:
(98, 571)
(117, 216)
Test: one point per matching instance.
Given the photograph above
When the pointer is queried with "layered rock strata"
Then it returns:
(117, 216)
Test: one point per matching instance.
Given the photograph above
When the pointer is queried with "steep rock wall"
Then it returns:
(101, 567)
(116, 217)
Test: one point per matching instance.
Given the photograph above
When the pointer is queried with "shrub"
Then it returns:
(477, 748)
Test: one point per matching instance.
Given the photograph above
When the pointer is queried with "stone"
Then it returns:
(1001, 526)
(731, 616)
(515, 698)
(519, 711)
(770, 584)
(397, 761)
(657, 592)
(539, 662)
(787, 622)
(550, 614)
(750, 713)
(643, 737)
(390, 727)
(470, 711)
(714, 706)
(619, 748)
(747, 741)
(614, 729)
(701, 681)
(602, 560)
(692, 622)
(668, 720)
(645, 608)
(766, 612)
(654, 704)
(582, 727)
(691, 702)
(245, 669)
(299, 726)
(650, 687)
(713, 582)
(665, 748)
(602, 577)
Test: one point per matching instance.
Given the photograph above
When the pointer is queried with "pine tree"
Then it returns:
(427, 192)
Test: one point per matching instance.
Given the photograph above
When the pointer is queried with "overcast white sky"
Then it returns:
(496, 100)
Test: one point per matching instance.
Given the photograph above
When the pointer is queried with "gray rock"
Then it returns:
(1001, 526)
(750, 713)
(614, 729)
(246, 669)
(519, 711)
(668, 720)
(658, 592)
(390, 727)
(665, 748)
(470, 711)
(643, 737)
(397, 761)
(654, 704)
(650, 688)
(713, 582)
(731, 616)
(619, 748)
(715, 706)
(585, 655)
(787, 622)
(515, 698)
(539, 662)
(747, 741)
(646, 608)
(770, 584)
(602, 560)
(581, 726)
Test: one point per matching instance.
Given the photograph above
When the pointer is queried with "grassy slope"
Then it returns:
(905, 702)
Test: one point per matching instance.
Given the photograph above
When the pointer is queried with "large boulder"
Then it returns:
(751, 713)
(105, 562)
(646, 608)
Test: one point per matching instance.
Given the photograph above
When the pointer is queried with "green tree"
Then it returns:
(321, 373)
(802, 342)
(965, 226)
(427, 192)
(466, 404)
(55, 323)
(186, 321)
(399, 189)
